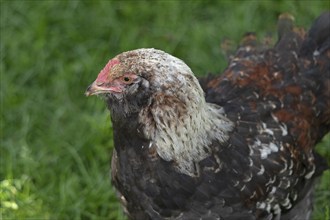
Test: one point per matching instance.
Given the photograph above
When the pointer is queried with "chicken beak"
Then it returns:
(97, 88)
(91, 90)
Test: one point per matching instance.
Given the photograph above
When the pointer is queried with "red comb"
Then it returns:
(105, 71)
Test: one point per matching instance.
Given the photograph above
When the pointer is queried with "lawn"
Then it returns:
(56, 143)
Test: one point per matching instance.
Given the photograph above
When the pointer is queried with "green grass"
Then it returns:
(55, 143)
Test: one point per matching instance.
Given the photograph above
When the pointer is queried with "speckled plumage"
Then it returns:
(238, 146)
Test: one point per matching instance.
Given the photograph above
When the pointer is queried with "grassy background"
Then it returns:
(56, 143)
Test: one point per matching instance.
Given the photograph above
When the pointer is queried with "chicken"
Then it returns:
(239, 145)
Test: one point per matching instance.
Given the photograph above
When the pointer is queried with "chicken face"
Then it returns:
(132, 80)
(114, 80)
(124, 88)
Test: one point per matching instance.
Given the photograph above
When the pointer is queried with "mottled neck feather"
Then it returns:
(183, 131)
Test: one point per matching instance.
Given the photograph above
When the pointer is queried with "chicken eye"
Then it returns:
(126, 79)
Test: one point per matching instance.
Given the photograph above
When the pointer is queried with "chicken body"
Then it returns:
(240, 148)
